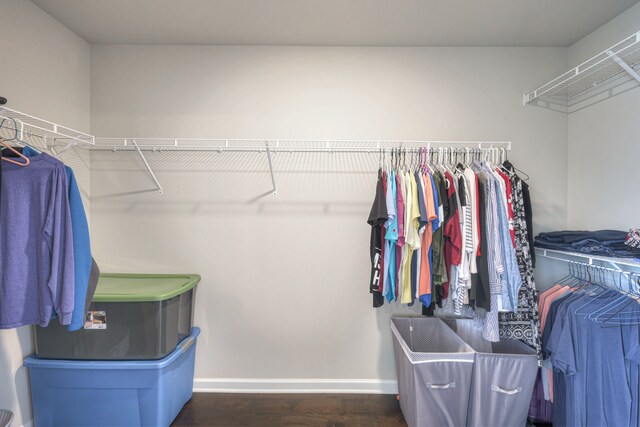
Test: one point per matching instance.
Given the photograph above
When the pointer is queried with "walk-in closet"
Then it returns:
(319, 213)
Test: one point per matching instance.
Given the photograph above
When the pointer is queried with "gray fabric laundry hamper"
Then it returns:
(434, 368)
(504, 375)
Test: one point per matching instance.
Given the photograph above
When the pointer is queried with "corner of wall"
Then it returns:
(586, 128)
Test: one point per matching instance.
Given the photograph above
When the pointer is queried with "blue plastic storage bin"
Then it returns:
(112, 393)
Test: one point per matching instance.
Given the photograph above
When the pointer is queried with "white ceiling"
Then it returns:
(336, 22)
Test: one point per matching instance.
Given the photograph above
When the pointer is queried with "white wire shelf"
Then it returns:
(158, 145)
(282, 145)
(56, 138)
(25, 128)
(611, 72)
(566, 256)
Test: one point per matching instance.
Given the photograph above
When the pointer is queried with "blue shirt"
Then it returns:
(599, 363)
(391, 237)
(392, 223)
(36, 253)
(427, 298)
(81, 245)
(511, 278)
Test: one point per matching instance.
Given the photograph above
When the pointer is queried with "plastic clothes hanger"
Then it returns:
(620, 317)
(605, 293)
(460, 165)
(16, 137)
(17, 153)
(426, 161)
(595, 315)
(509, 165)
(392, 159)
(579, 286)
(447, 160)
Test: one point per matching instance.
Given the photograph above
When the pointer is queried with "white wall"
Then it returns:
(284, 289)
(619, 28)
(604, 144)
(45, 72)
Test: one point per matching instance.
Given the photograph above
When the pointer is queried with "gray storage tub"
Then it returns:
(504, 375)
(132, 317)
(434, 368)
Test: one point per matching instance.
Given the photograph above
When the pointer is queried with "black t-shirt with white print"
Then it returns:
(377, 218)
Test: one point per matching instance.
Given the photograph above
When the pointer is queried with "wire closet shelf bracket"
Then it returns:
(610, 73)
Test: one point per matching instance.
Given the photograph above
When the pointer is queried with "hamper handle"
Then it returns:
(442, 386)
(504, 390)
(186, 344)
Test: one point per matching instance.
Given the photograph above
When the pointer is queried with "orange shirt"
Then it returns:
(424, 287)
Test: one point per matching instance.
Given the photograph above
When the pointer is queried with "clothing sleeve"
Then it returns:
(564, 355)
(390, 202)
(429, 199)
(552, 326)
(631, 341)
(478, 214)
(59, 238)
(81, 250)
(378, 213)
(526, 196)
(452, 227)
(436, 204)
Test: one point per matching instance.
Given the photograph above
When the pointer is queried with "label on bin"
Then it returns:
(96, 320)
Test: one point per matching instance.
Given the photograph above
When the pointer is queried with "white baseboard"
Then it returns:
(293, 385)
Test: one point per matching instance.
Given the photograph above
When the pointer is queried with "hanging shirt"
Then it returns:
(600, 363)
(423, 222)
(511, 279)
(439, 268)
(510, 212)
(414, 240)
(471, 181)
(464, 273)
(425, 285)
(81, 245)
(401, 237)
(377, 217)
(482, 290)
(391, 224)
(525, 323)
(410, 236)
(400, 208)
(391, 237)
(36, 244)
(412, 213)
(492, 254)
(452, 234)
(526, 200)
(436, 203)
(384, 245)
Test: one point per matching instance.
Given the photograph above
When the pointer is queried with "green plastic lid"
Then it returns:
(143, 287)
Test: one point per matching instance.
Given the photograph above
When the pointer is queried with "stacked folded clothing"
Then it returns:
(633, 238)
(602, 242)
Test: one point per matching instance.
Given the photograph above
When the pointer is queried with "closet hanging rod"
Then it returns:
(586, 259)
(258, 145)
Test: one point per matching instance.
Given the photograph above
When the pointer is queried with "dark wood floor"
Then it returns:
(322, 410)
